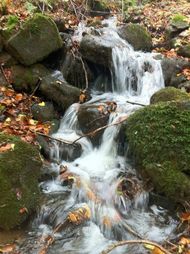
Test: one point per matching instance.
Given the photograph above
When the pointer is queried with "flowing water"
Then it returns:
(98, 174)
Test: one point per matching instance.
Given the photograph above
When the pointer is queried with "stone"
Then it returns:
(7, 60)
(97, 49)
(59, 92)
(184, 51)
(185, 86)
(169, 94)
(98, 8)
(36, 40)
(19, 172)
(171, 67)
(175, 28)
(43, 111)
(1, 44)
(91, 118)
(137, 36)
(159, 152)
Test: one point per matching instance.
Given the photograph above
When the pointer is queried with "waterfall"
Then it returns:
(99, 171)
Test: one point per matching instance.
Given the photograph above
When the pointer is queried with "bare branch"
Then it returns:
(127, 242)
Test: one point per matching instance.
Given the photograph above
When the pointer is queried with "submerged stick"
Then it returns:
(136, 103)
(127, 242)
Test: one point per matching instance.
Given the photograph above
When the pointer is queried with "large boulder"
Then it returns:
(137, 36)
(1, 43)
(171, 67)
(36, 40)
(97, 49)
(158, 138)
(169, 94)
(19, 171)
(7, 60)
(177, 25)
(44, 111)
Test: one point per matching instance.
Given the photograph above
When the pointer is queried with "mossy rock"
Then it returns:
(159, 142)
(169, 94)
(36, 40)
(19, 172)
(137, 36)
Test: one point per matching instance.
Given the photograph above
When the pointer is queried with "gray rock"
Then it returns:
(175, 28)
(91, 118)
(38, 38)
(171, 67)
(185, 86)
(7, 60)
(97, 49)
(59, 92)
(43, 111)
(184, 51)
(137, 36)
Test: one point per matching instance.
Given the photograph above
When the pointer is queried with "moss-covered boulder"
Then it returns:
(169, 94)
(137, 36)
(159, 141)
(36, 40)
(19, 171)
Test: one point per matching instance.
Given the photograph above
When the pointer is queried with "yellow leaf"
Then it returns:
(149, 246)
(157, 251)
(42, 104)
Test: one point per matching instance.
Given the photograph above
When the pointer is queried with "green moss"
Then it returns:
(161, 133)
(169, 94)
(178, 18)
(19, 171)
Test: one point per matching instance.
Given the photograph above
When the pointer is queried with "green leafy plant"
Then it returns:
(12, 22)
(31, 9)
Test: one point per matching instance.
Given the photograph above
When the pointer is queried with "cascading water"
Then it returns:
(98, 173)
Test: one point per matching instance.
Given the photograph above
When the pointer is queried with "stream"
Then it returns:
(87, 190)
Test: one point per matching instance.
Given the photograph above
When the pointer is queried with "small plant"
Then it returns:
(31, 9)
(12, 22)
(179, 18)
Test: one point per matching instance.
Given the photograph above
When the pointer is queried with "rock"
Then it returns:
(185, 86)
(76, 72)
(3, 81)
(97, 49)
(38, 38)
(91, 118)
(60, 23)
(19, 172)
(171, 67)
(157, 148)
(59, 92)
(137, 36)
(7, 60)
(169, 94)
(184, 51)
(176, 27)
(26, 78)
(43, 111)
(1, 44)
(98, 8)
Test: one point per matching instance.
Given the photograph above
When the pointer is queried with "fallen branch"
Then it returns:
(85, 72)
(127, 242)
(136, 103)
(37, 86)
(92, 133)
(4, 75)
(52, 138)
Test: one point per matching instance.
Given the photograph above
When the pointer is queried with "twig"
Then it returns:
(136, 103)
(37, 86)
(76, 14)
(121, 243)
(92, 133)
(85, 72)
(130, 230)
(3, 72)
(52, 138)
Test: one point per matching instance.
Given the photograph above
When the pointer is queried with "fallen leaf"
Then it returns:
(7, 248)
(42, 104)
(6, 147)
(185, 216)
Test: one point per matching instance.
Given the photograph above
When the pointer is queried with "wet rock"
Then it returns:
(91, 118)
(59, 92)
(7, 60)
(185, 86)
(36, 40)
(171, 67)
(158, 149)
(137, 36)
(97, 49)
(76, 71)
(169, 94)
(43, 111)
(184, 51)
(19, 172)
